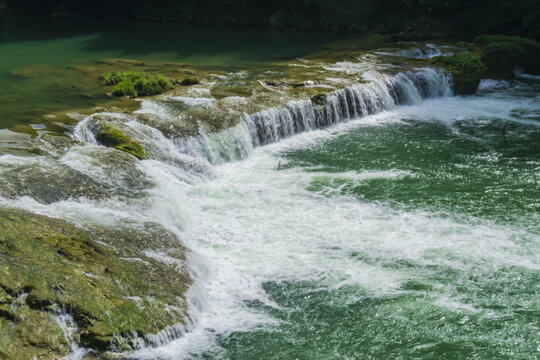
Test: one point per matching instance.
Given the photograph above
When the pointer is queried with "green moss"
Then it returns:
(31, 334)
(504, 54)
(111, 136)
(125, 88)
(111, 78)
(57, 263)
(319, 99)
(466, 68)
(190, 80)
(133, 83)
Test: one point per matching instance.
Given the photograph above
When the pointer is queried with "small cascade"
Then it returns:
(272, 125)
(71, 333)
(269, 126)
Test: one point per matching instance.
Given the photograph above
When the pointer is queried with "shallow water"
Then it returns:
(39, 57)
(410, 232)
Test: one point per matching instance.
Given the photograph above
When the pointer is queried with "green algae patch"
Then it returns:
(466, 68)
(188, 81)
(111, 136)
(30, 334)
(112, 289)
(504, 54)
(134, 83)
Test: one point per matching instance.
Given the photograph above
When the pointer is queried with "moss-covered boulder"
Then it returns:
(110, 281)
(466, 68)
(190, 80)
(504, 54)
(109, 134)
(134, 83)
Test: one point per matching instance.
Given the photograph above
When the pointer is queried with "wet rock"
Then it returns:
(467, 70)
(112, 136)
(319, 99)
(113, 288)
(30, 334)
(190, 80)
(89, 172)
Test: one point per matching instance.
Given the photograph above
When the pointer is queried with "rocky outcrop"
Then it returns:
(109, 133)
(467, 70)
(114, 290)
(504, 54)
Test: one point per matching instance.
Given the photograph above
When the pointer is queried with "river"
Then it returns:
(399, 222)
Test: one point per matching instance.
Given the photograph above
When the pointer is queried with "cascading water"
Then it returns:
(272, 125)
(380, 93)
(292, 253)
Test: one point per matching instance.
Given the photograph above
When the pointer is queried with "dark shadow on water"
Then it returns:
(142, 38)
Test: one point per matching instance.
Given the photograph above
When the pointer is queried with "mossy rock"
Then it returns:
(111, 136)
(319, 99)
(504, 54)
(103, 276)
(190, 80)
(31, 334)
(134, 83)
(466, 68)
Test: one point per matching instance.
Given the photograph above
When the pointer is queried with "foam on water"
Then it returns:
(252, 222)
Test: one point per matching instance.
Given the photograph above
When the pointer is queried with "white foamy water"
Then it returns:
(254, 224)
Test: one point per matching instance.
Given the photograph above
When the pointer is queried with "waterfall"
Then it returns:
(354, 102)
(71, 333)
(268, 126)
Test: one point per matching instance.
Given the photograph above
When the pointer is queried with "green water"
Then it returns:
(460, 231)
(39, 58)
(484, 168)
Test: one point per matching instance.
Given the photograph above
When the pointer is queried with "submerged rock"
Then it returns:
(113, 289)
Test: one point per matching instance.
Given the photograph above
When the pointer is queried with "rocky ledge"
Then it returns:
(113, 294)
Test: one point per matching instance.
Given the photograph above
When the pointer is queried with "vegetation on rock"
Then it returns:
(112, 289)
(504, 54)
(466, 68)
(190, 80)
(133, 83)
(110, 136)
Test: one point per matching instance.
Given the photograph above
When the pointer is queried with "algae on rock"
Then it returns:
(113, 288)
(466, 68)
(111, 136)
